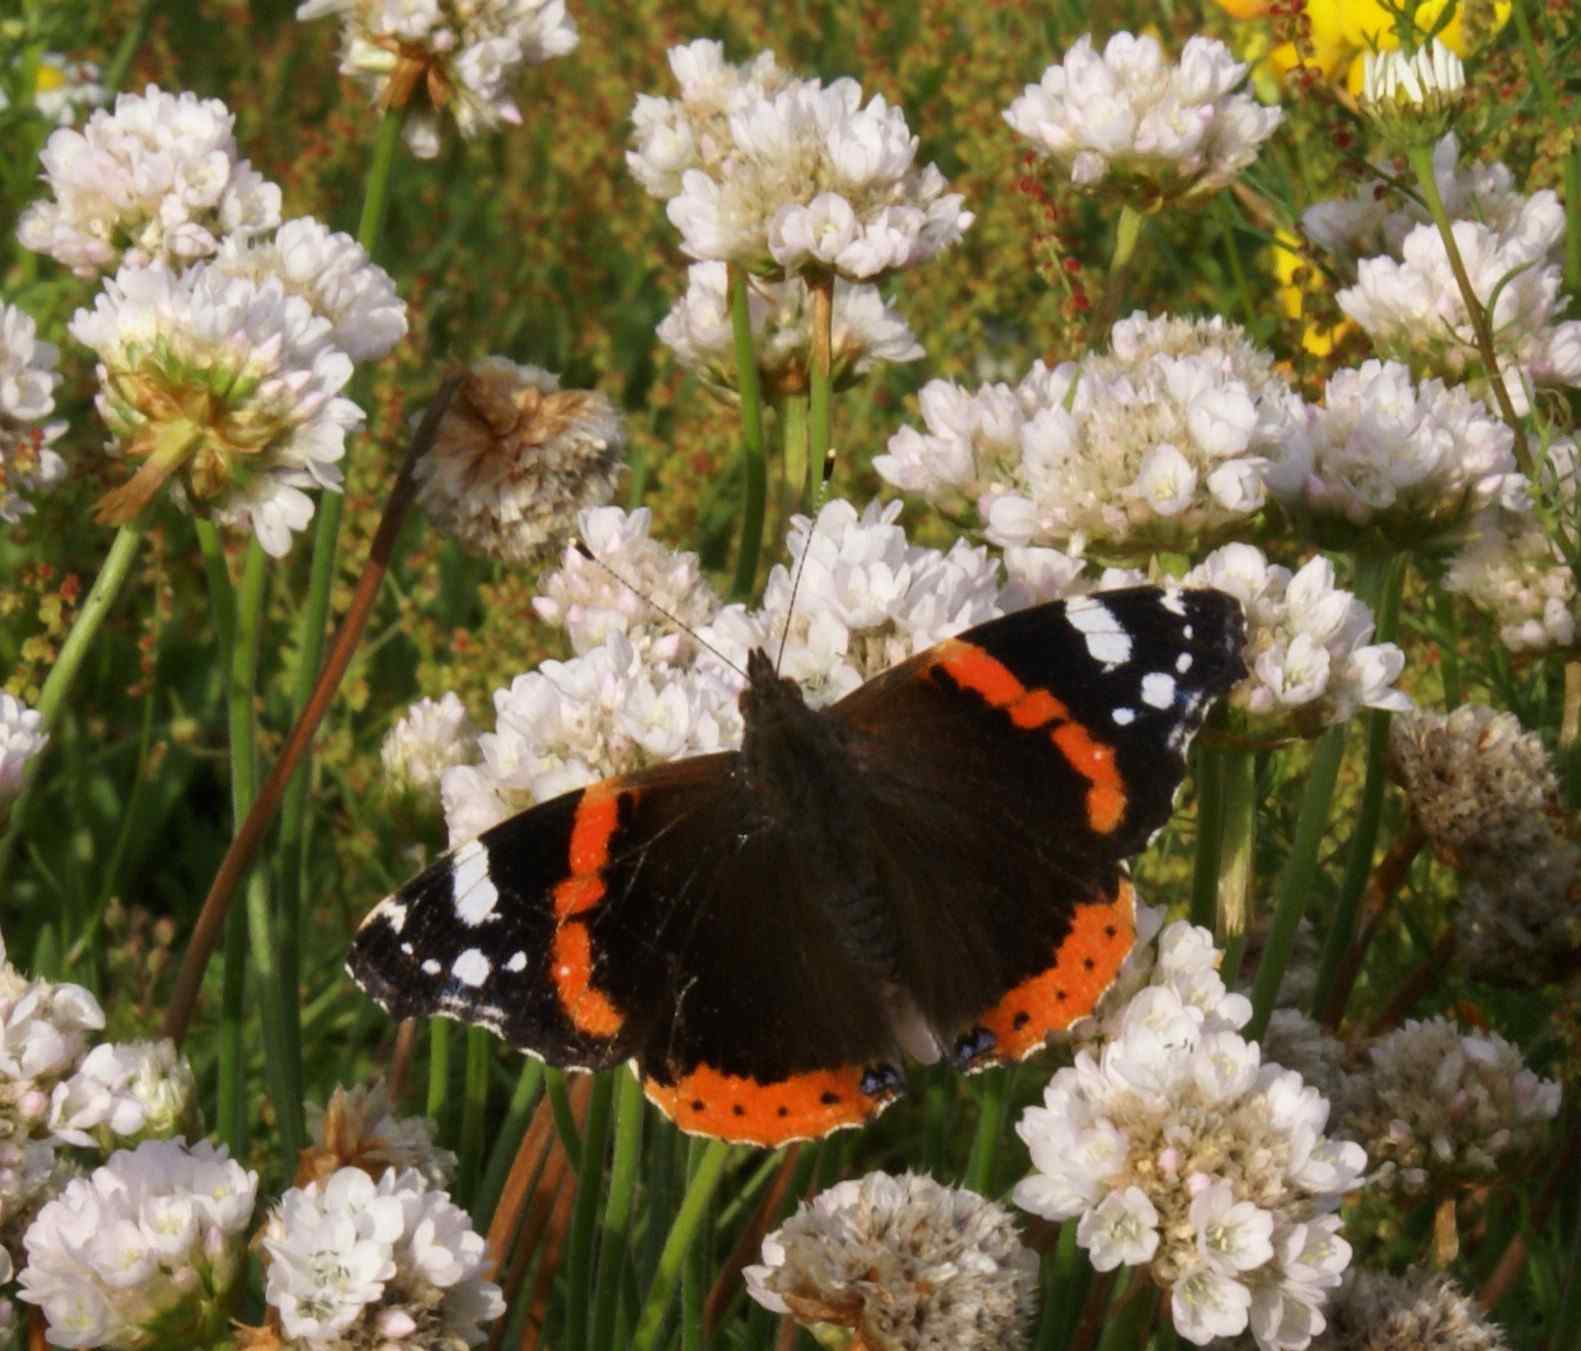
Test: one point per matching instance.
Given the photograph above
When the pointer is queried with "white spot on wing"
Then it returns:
(517, 962)
(471, 967)
(1172, 601)
(430, 967)
(1106, 641)
(1124, 717)
(1183, 662)
(1158, 689)
(393, 913)
(474, 895)
(407, 949)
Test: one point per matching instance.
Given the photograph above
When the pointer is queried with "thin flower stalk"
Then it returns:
(1127, 234)
(820, 286)
(565, 1120)
(315, 616)
(1378, 582)
(694, 1270)
(683, 1233)
(993, 1090)
(796, 457)
(753, 460)
(233, 867)
(117, 566)
(442, 1034)
(1207, 776)
(518, 1115)
(584, 1214)
(614, 1233)
(1237, 846)
(474, 1111)
(1066, 1276)
(1558, 116)
(1421, 159)
(1295, 881)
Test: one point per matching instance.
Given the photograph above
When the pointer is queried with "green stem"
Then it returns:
(655, 1308)
(800, 474)
(117, 566)
(694, 1269)
(439, 1038)
(474, 1110)
(1232, 912)
(1127, 233)
(1422, 165)
(278, 1008)
(1377, 582)
(753, 464)
(126, 49)
(507, 1141)
(584, 1214)
(1296, 882)
(564, 1118)
(315, 617)
(820, 289)
(990, 1122)
(1066, 1276)
(1210, 830)
(614, 1242)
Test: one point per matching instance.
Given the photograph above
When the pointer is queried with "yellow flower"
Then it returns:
(1342, 31)
(1299, 277)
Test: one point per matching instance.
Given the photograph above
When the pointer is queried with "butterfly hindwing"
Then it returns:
(1024, 762)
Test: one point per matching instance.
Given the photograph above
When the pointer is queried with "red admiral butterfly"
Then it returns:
(935, 865)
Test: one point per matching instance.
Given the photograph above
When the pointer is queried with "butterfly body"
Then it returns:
(933, 866)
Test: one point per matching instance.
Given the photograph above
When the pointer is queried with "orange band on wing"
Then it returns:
(571, 957)
(1084, 966)
(973, 668)
(743, 1110)
(571, 966)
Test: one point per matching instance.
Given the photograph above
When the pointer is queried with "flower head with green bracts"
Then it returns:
(1413, 96)
(226, 390)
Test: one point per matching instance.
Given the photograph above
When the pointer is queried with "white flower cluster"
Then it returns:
(44, 1031)
(272, 419)
(463, 54)
(1412, 308)
(1441, 1108)
(1131, 121)
(1412, 463)
(1512, 568)
(790, 175)
(125, 1092)
(1376, 220)
(151, 1242)
(1180, 1150)
(640, 691)
(333, 273)
(1306, 644)
(22, 737)
(158, 179)
(63, 88)
(863, 331)
(902, 1261)
(358, 1262)
(433, 735)
(27, 396)
(1160, 444)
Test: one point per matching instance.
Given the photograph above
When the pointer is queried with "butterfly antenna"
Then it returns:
(679, 623)
(801, 566)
